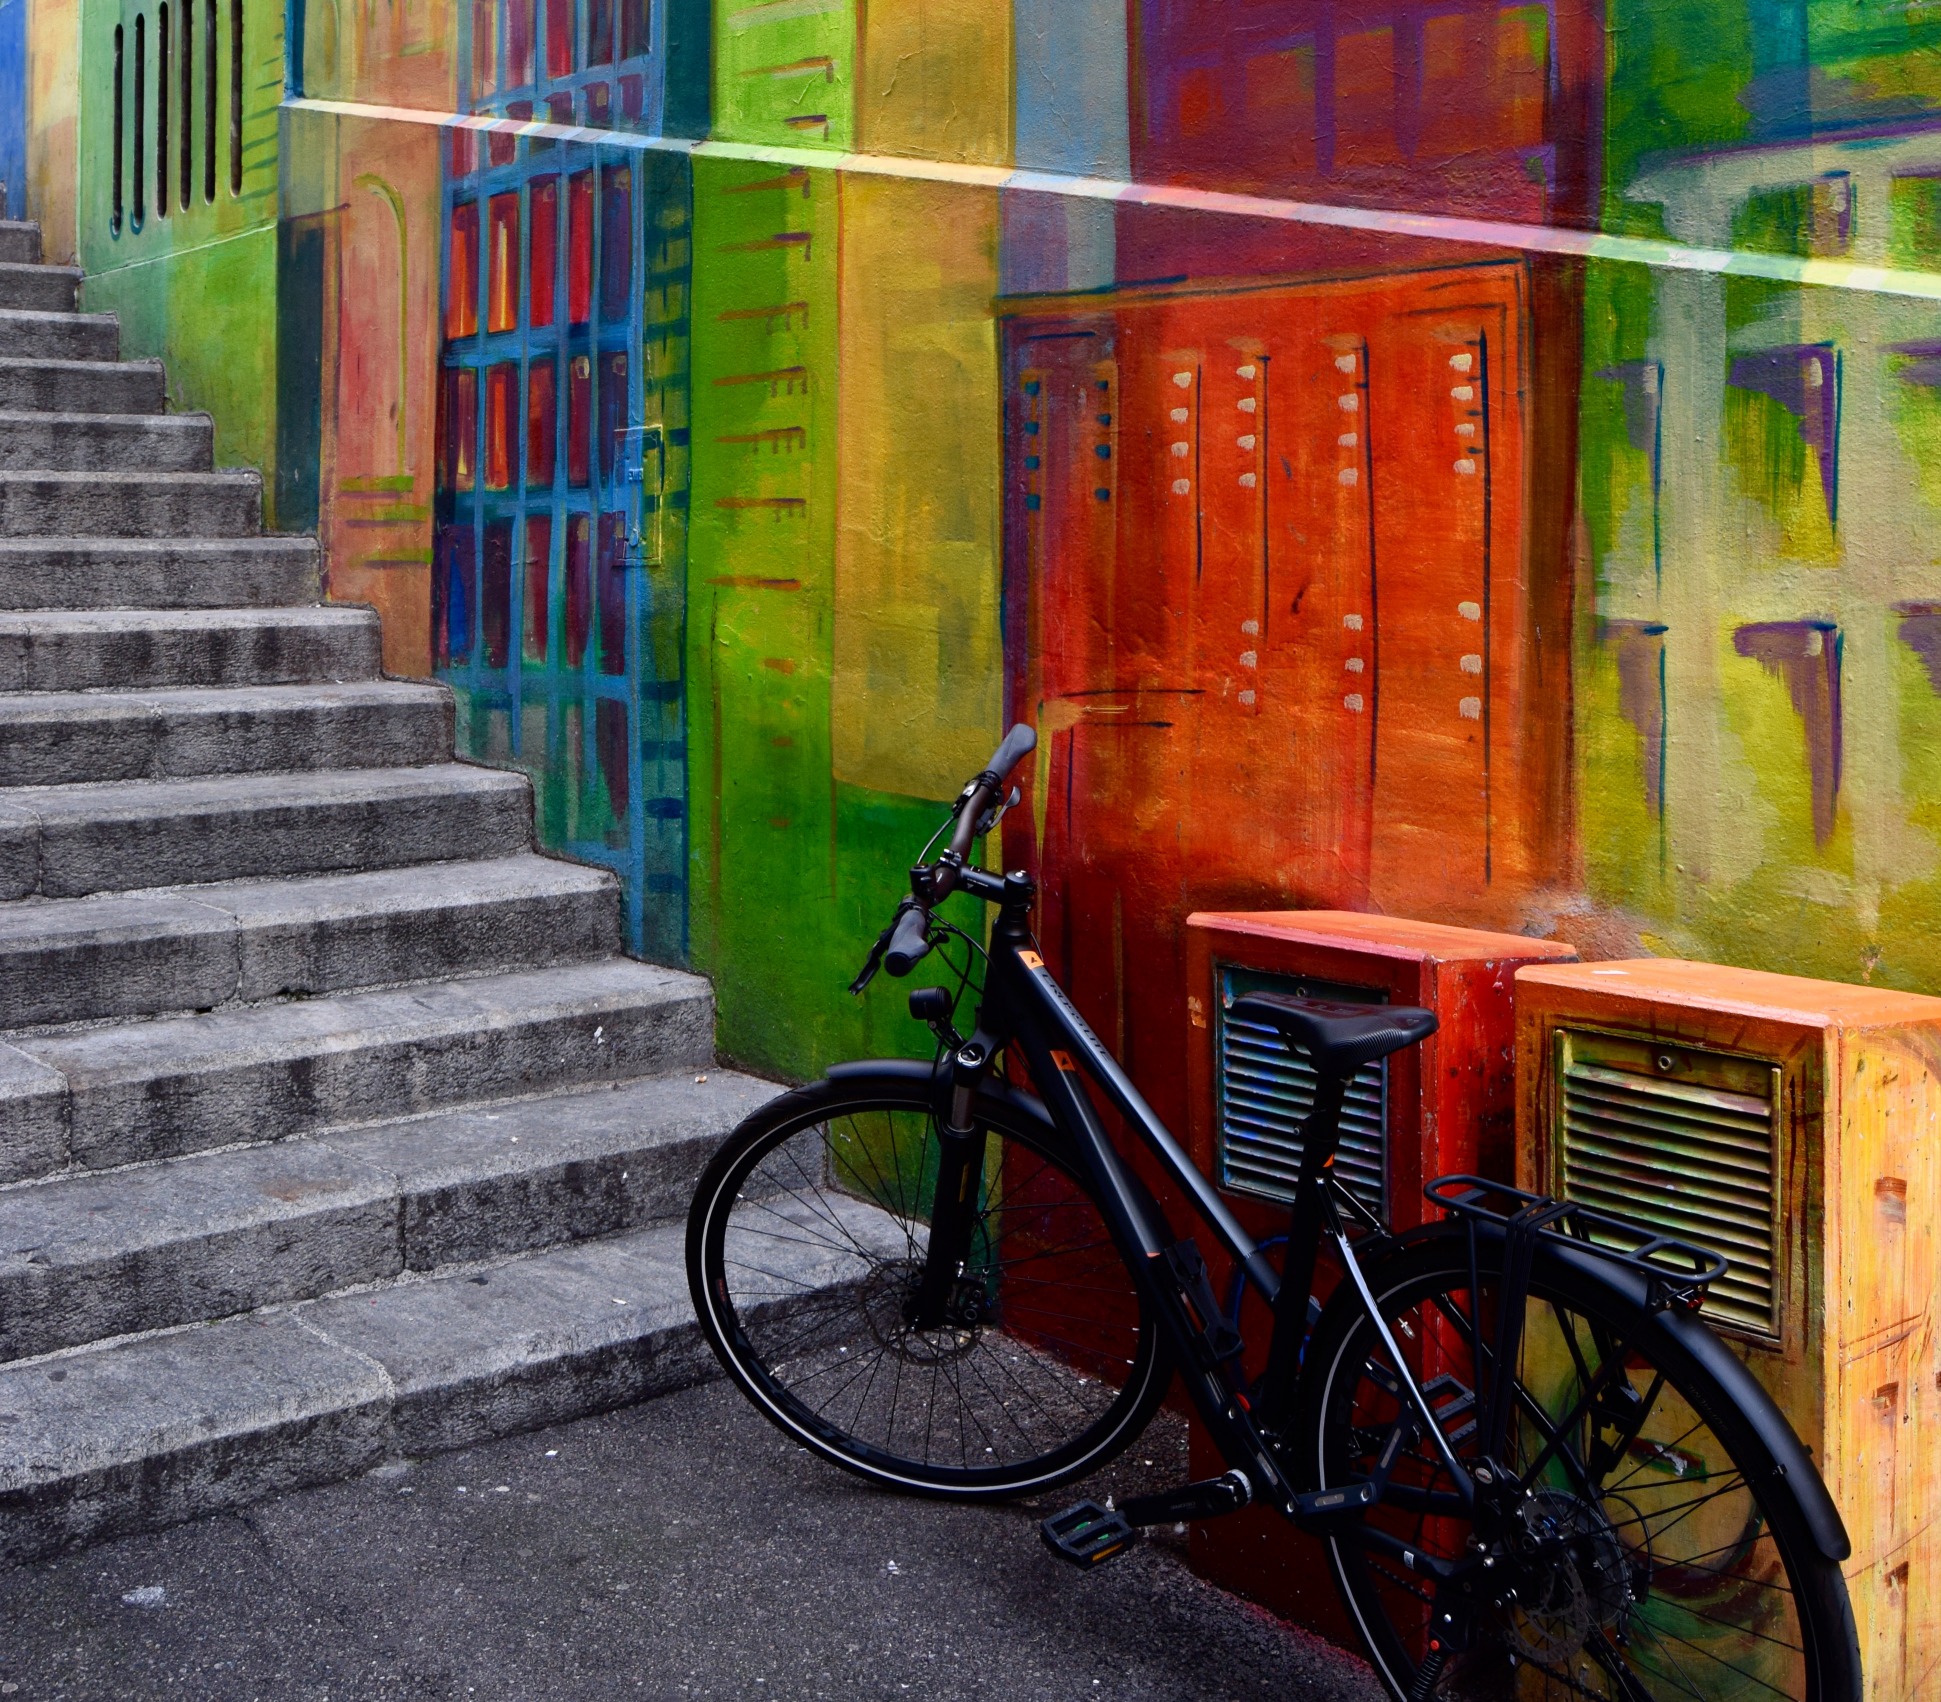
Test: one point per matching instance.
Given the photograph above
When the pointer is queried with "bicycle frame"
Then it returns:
(1023, 1004)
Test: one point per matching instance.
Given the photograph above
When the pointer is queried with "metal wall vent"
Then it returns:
(1262, 1090)
(1682, 1141)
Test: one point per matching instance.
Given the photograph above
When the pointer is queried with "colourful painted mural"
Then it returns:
(1468, 460)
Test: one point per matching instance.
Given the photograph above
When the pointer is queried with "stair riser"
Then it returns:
(217, 1276)
(203, 959)
(124, 1118)
(113, 506)
(137, 659)
(59, 337)
(356, 1230)
(39, 289)
(197, 575)
(373, 1424)
(96, 387)
(164, 745)
(109, 444)
(69, 858)
(19, 242)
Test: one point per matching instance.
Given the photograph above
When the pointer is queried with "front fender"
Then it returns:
(916, 1073)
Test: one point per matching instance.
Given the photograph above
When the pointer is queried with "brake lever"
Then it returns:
(997, 812)
(874, 961)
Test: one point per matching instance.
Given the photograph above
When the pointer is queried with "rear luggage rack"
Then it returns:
(1678, 1273)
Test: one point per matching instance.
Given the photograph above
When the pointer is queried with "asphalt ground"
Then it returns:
(681, 1548)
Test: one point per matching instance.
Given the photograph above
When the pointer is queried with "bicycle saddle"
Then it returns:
(1338, 1037)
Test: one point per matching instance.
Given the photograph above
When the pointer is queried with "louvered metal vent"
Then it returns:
(1262, 1091)
(1681, 1141)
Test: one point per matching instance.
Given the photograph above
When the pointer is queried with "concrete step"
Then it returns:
(87, 650)
(66, 738)
(76, 386)
(158, 573)
(43, 289)
(89, 1257)
(149, 1432)
(19, 242)
(26, 335)
(68, 841)
(200, 947)
(139, 504)
(39, 440)
(146, 1090)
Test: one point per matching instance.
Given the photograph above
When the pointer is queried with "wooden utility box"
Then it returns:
(1444, 1106)
(1792, 1126)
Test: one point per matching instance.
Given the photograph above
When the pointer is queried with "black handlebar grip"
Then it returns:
(908, 942)
(1018, 744)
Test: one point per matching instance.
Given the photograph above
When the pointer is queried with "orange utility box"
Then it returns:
(1794, 1127)
(1445, 1106)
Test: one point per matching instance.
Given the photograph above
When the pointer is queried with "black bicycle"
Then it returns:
(1537, 1472)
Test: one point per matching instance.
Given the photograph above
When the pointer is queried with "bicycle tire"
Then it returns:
(1062, 1372)
(1719, 1594)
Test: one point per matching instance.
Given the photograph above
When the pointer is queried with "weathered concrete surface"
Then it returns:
(20, 241)
(95, 442)
(44, 289)
(129, 649)
(63, 738)
(136, 504)
(146, 833)
(31, 335)
(680, 1549)
(91, 1256)
(261, 1072)
(160, 573)
(97, 386)
(33, 1116)
(159, 1428)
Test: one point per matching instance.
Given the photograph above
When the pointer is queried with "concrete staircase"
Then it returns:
(333, 1125)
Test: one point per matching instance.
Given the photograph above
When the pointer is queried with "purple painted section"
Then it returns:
(1804, 379)
(1640, 651)
(1806, 655)
(1921, 633)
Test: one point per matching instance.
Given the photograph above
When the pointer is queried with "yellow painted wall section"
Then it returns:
(936, 81)
(918, 686)
(53, 161)
(1884, 1414)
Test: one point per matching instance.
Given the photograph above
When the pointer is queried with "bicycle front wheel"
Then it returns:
(1623, 1548)
(806, 1240)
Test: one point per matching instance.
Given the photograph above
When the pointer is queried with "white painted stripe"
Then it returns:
(1437, 227)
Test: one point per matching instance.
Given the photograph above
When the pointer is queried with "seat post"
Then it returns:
(1320, 1135)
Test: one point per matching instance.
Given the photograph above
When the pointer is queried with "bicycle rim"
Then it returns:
(1636, 1564)
(805, 1246)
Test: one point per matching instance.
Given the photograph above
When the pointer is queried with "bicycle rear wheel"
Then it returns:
(1635, 1550)
(805, 1242)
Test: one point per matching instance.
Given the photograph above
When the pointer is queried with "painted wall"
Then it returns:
(1476, 461)
(13, 111)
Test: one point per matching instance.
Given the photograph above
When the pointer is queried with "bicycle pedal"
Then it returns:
(1087, 1534)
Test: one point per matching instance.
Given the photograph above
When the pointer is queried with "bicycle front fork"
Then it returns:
(941, 1296)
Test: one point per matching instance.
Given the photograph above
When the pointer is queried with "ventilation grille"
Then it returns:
(1680, 1141)
(1263, 1090)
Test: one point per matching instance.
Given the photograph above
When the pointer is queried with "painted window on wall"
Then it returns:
(558, 595)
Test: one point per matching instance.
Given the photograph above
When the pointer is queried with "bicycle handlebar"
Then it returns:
(906, 940)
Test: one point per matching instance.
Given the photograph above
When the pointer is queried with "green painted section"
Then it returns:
(784, 73)
(194, 281)
(791, 874)
(210, 314)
